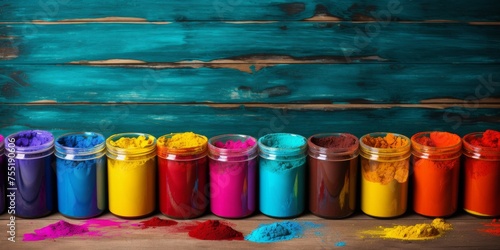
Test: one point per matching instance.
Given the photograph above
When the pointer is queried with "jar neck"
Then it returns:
(385, 154)
(181, 154)
(232, 154)
(337, 153)
(118, 153)
(479, 152)
(282, 153)
(435, 153)
(80, 153)
(36, 151)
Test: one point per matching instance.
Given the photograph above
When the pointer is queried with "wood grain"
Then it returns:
(237, 10)
(466, 234)
(207, 41)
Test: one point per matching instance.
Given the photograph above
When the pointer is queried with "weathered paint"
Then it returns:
(206, 41)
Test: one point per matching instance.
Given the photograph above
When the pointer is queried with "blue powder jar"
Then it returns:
(282, 174)
(81, 174)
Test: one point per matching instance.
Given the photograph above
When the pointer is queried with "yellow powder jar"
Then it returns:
(384, 177)
(131, 174)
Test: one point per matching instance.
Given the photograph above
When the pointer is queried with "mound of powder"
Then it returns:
(56, 230)
(215, 230)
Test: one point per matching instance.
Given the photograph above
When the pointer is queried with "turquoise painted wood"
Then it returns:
(283, 83)
(161, 119)
(318, 42)
(192, 10)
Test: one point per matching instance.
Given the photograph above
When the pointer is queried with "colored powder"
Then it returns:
(384, 182)
(436, 162)
(36, 193)
(215, 230)
(482, 173)
(279, 231)
(490, 139)
(56, 230)
(282, 171)
(133, 142)
(157, 222)
(338, 142)
(233, 179)
(236, 144)
(132, 176)
(182, 141)
(32, 138)
(100, 223)
(340, 244)
(492, 228)
(422, 231)
(3, 173)
(81, 184)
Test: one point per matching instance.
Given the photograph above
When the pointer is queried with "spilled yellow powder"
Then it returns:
(182, 141)
(422, 231)
(132, 142)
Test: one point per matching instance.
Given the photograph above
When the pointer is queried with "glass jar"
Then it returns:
(282, 174)
(436, 171)
(81, 174)
(384, 176)
(31, 152)
(232, 170)
(131, 175)
(333, 164)
(183, 178)
(481, 177)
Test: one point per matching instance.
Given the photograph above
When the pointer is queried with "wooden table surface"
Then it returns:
(466, 234)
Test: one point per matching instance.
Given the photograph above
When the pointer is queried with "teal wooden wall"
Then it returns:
(253, 67)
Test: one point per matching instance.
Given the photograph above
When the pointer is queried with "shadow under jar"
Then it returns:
(333, 163)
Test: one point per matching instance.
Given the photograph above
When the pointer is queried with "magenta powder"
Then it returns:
(56, 230)
(236, 144)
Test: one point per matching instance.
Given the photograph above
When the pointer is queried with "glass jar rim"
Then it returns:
(130, 151)
(164, 151)
(80, 151)
(386, 151)
(34, 149)
(338, 150)
(297, 150)
(430, 149)
(467, 146)
(211, 145)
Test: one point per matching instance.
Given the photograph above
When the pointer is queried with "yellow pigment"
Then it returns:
(132, 177)
(384, 182)
(422, 231)
(182, 141)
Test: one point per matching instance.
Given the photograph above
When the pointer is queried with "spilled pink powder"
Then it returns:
(235, 144)
(99, 223)
(56, 230)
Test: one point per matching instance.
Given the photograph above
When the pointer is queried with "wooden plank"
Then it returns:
(238, 10)
(207, 41)
(465, 234)
(255, 120)
(267, 83)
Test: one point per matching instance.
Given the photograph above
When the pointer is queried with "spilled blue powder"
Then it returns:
(340, 244)
(279, 231)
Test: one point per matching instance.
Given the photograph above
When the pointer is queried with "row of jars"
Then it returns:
(84, 181)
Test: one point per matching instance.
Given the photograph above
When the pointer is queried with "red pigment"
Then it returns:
(215, 230)
(56, 230)
(492, 228)
(157, 222)
(334, 141)
(490, 139)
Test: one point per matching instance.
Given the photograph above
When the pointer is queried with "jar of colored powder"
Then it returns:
(183, 175)
(81, 174)
(482, 173)
(35, 177)
(131, 174)
(333, 164)
(232, 170)
(436, 171)
(385, 164)
(3, 175)
(282, 174)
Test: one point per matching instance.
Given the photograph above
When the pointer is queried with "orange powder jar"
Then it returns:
(436, 173)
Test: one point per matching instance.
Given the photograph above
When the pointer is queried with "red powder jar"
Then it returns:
(482, 174)
(333, 164)
(183, 180)
(436, 173)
